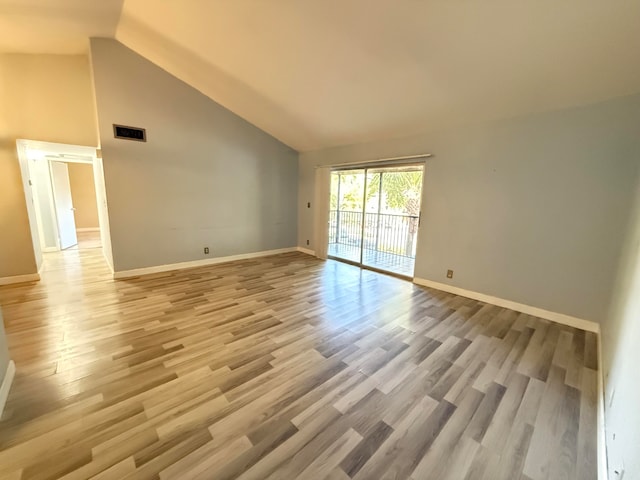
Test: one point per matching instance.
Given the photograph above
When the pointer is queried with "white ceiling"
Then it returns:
(319, 74)
(55, 26)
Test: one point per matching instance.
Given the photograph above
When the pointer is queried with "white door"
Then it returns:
(64, 205)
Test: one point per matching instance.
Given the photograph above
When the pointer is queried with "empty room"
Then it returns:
(355, 239)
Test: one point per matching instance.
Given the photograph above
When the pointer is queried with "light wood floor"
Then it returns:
(286, 367)
(88, 240)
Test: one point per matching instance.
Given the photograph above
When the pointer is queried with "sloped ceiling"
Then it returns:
(332, 72)
(55, 26)
(318, 74)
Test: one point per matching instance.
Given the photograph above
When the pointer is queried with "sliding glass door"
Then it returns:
(374, 217)
(345, 215)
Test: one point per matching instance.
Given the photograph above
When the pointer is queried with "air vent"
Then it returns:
(130, 133)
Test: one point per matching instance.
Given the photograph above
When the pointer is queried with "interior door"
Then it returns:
(64, 205)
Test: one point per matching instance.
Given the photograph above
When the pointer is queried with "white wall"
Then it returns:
(621, 357)
(205, 177)
(31, 203)
(41, 180)
(531, 209)
(103, 211)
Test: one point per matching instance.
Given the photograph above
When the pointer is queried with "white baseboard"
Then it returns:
(307, 251)
(30, 277)
(88, 229)
(198, 263)
(568, 320)
(6, 384)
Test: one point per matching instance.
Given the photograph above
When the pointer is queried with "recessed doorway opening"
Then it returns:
(66, 203)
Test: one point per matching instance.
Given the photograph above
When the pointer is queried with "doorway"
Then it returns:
(64, 224)
(374, 217)
(61, 184)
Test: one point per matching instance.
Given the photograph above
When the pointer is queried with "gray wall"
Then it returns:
(621, 357)
(205, 177)
(531, 209)
(4, 351)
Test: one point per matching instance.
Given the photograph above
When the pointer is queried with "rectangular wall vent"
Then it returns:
(130, 133)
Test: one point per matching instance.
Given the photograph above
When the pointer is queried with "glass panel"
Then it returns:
(391, 207)
(391, 218)
(372, 209)
(345, 217)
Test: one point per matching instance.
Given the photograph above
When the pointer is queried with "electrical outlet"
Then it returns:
(449, 273)
(308, 204)
(307, 242)
(206, 250)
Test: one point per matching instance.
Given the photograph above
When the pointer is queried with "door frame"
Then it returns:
(404, 162)
(60, 152)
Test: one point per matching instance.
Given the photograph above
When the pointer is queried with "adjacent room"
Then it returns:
(363, 239)
(60, 190)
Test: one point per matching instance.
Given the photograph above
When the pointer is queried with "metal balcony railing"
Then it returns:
(383, 232)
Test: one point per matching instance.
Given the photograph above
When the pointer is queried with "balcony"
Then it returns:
(388, 241)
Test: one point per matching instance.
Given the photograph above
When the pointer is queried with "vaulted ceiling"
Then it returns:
(319, 74)
(55, 26)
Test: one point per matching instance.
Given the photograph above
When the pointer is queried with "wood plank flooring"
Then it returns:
(286, 367)
(89, 239)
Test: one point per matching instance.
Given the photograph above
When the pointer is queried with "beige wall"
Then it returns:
(16, 250)
(83, 192)
(42, 97)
